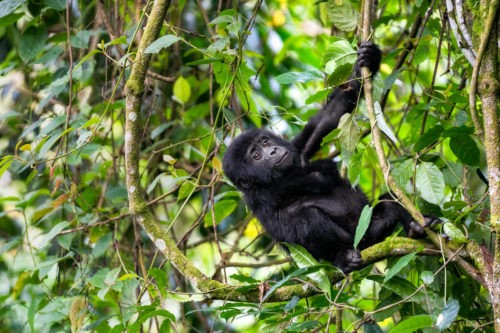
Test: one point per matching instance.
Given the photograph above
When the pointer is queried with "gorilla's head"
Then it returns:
(257, 157)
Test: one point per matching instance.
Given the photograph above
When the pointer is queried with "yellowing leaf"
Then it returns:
(26, 147)
(253, 228)
(217, 164)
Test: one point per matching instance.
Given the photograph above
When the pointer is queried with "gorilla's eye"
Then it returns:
(256, 155)
(244, 184)
(265, 142)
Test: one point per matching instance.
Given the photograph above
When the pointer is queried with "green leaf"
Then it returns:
(119, 40)
(427, 277)
(221, 19)
(243, 278)
(455, 132)
(343, 16)
(56, 4)
(319, 96)
(6, 164)
(350, 133)
(182, 89)
(185, 190)
(304, 259)
(90, 122)
(412, 324)
(292, 77)
(403, 172)
(204, 61)
(448, 315)
(145, 315)
(90, 54)
(52, 233)
(37, 215)
(302, 271)
(363, 224)
(9, 6)
(465, 149)
(160, 43)
(429, 137)
(390, 79)
(399, 265)
(454, 232)
(382, 124)
(222, 209)
(430, 182)
(354, 167)
(339, 54)
(32, 42)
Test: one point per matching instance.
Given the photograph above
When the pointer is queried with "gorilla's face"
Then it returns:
(258, 157)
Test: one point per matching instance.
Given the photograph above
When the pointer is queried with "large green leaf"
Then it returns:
(454, 232)
(342, 14)
(182, 89)
(465, 148)
(9, 6)
(350, 133)
(430, 182)
(429, 137)
(222, 209)
(32, 42)
(363, 224)
(339, 53)
(399, 265)
(161, 43)
(304, 259)
(448, 315)
(403, 172)
(354, 168)
(291, 77)
(412, 324)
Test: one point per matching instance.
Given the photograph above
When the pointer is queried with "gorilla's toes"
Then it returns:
(352, 261)
(416, 230)
(431, 220)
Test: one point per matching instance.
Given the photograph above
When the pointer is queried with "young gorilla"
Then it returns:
(308, 203)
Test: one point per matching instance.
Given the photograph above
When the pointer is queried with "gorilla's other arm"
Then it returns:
(341, 101)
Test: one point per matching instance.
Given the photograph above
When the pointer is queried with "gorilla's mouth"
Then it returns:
(282, 158)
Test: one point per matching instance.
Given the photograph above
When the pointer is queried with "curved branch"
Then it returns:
(377, 140)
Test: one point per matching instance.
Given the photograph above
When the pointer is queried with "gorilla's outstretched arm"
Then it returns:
(342, 100)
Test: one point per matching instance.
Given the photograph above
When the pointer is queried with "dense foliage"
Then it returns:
(73, 258)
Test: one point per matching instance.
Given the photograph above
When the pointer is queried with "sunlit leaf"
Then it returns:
(412, 324)
(161, 43)
(454, 232)
(430, 182)
(344, 16)
(292, 77)
(399, 265)
(363, 224)
(182, 89)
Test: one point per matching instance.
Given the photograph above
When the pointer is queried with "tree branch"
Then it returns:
(377, 140)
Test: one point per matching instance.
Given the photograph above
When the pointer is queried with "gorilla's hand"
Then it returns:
(369, 55)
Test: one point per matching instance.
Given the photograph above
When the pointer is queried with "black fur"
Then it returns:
(308, 203)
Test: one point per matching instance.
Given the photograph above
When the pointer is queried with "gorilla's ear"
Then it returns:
(244, 184)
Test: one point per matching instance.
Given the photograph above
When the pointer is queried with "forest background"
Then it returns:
(115, 214)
